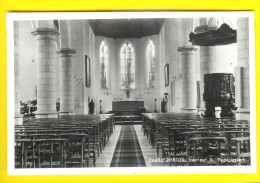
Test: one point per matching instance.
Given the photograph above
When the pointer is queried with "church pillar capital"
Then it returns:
(66, 52)
(45, 33)
(187, 49)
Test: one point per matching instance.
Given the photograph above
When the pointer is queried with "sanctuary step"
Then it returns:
(125, 112)
(128, 119)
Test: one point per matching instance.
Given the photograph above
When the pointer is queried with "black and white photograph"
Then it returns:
(131, 93)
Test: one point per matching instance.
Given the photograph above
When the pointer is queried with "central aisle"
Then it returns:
(128, 152)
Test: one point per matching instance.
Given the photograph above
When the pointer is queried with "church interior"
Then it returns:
(139, 92)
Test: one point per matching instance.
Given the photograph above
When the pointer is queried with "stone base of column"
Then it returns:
(189, 110)
(18, 119)
(201, 110)
(242, 114)
(46, 115)
(64, 113)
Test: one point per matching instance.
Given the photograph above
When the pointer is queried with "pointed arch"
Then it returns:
(104, 64)
(150, 64)
(127, 62)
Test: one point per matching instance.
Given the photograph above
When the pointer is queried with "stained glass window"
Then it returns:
(150, 64)
(104, 65)
(127, 61)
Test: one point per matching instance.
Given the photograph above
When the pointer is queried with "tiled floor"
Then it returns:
(149, 153)
(106, 156)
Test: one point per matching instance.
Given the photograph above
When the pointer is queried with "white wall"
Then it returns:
(100, 94)
(114, 89)
(76, 32)
(155, 92)
(170, 38)
(88, 49)
(27, 56)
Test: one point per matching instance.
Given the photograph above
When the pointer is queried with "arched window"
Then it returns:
(104, 65)
(150, 64)
(127, 60)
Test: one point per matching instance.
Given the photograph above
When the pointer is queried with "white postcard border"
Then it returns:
(10, 17)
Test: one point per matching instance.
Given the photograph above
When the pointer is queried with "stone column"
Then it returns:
(188, 78)
(66, 81)
(18, 116)
(208, 58)
(242, 89)
(46, 76)
(208, 65)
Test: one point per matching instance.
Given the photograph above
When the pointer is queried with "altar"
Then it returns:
(128, 106)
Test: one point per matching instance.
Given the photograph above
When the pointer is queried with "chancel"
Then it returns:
(132, 92)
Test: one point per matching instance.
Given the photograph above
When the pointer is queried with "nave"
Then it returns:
(131, 98)
(161, 140)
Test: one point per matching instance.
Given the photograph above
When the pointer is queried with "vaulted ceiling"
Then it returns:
(126, 28)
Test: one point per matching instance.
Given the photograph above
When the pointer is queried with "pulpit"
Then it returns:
(219, 92)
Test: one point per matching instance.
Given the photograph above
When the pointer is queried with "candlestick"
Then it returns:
(155, 110)
(100, 112)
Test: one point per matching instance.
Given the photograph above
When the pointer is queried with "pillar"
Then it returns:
(46, 76)
(66, 81)
(18, 116)
(208, 59)
(188, 72)
(208, 65)
(242, 88)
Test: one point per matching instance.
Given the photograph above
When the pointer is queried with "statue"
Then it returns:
(127, 93)
(91, 106)
(163, 106)
(128, 81)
